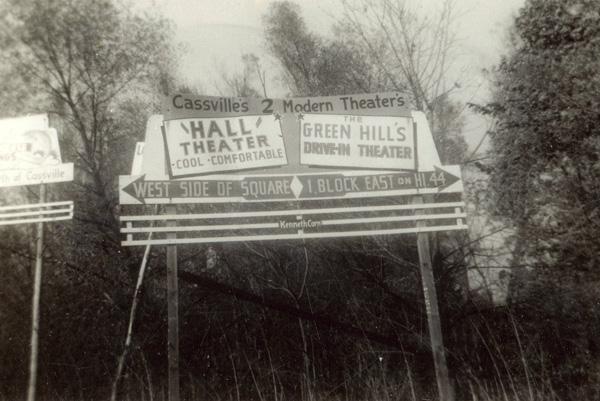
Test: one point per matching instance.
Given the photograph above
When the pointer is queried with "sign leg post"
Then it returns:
(445, 390)
(173, 312)
(35, 315)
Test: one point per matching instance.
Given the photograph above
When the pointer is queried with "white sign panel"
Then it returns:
(30, 154)
(138, 158)
(41, 175)
(139, 189)
(373, 142)
(210, 145)
(29, 149)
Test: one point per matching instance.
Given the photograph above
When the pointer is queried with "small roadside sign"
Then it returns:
(30, 154)
(43, 175)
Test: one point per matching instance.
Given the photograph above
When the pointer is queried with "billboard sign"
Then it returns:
(30, 154)
(207, 149)
(340, 148)
(205, 135)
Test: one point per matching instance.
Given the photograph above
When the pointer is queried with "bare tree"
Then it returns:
(412, 48)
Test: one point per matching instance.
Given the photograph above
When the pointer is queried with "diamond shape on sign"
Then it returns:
(296, 186)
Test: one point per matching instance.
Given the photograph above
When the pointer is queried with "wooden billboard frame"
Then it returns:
(230, 107)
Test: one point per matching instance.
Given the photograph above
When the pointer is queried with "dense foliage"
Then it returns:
(546, 171)
(545, 181)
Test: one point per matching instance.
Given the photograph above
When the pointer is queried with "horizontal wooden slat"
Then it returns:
(394, 218)
(270, 237)
(36, 206)
(313, 223)
(139, 230)
(33, 213)
(35, 220)
(44, 212)
(291, 212)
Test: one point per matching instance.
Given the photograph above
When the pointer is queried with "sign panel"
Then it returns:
(211, 145)
(357, 141)
(138, 158)
(206, 135)
(25, 142)
(135, 190)
(43, 175)
(180, 106)
(30, 154)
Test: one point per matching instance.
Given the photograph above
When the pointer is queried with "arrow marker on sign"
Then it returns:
(338, 185)
(140, 189)
(137, 189)
(290, 187)
(449, 178)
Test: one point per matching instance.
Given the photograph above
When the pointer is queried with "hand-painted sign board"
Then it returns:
(352, 184)
(286, 149)
(366, 142)
(206, 135)
(380, 104)
(30, 154)
(203, 146)
(299, 152)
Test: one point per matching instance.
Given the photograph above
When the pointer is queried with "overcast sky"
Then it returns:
(217, 33)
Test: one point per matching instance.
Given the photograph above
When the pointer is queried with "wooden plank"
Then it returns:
(140, 230)
(129, 229)
(433, 315)
(37, 206)
(173, 313)
(39, 213)
(292, 212)
(271, 237)
(34, 213)
(35, 315)
(36, 220)
(386, 219)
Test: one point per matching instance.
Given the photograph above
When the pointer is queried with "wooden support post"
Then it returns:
(134, 303)
(35, 315)
(433, 314)
(173, 312)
